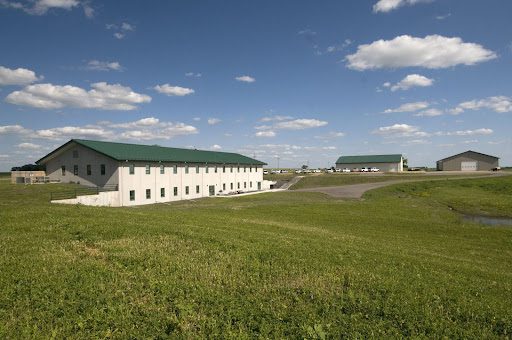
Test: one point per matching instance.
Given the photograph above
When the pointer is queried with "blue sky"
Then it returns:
(300, 80)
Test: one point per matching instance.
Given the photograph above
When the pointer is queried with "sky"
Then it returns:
(290, 81)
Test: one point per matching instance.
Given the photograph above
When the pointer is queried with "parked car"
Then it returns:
(346, 170)
(365, 169)
(356, 170)
(265, 172)
(374, 169)
(330, 171)
(299, 171)
(496, 168)
(317, 171)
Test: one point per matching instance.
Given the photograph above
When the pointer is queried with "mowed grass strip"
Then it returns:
(291, 264)
(337, 179)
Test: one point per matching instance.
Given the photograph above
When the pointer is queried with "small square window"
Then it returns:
(148, 194)
(162, 169)
(175, 190)
(132, 169)
(75, 154)
(162, 192)
(75, 170)
(186, 190)
(102, 169)
(132, 195)
(197, 189)
(175, 169)
(63, 170)
(148, 169)
(89, 170)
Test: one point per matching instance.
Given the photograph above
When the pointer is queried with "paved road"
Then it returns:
(357, 190)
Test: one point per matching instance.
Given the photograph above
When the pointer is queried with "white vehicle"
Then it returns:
(374, 169)
(338, 170)
(330, 171)
(317, 171)
(346, 170)
(298, 171)
(265, 172)
(365, 169)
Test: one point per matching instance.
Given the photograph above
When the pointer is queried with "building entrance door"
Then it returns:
(211, 188)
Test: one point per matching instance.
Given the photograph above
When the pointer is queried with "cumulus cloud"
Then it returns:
(28, 146)
(141, 123)
(215, 147)
(476, 132)
(167, 131)
(120, 30)
(409, 107)
(385, 6)
(102, 96)
(214, 121)
(411, 80)
(429, 113)
(331, 135)
(299, 124)
(176, 91)
(275, 118)
(41, 7)
(13, 129)
(96, 65)
(19, 76)
(193, 75)
(400, 130)
(433, 52)
(73, 132)
(246, 79)
(268, 133)
(499, 104)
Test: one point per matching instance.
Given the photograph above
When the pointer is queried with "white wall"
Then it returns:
(102, 199)
(385, 167)
(140, 181)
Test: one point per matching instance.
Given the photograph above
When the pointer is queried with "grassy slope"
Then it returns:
(400, 263)
(326, 180)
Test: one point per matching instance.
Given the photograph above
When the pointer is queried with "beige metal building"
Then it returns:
(468, 161)
(386, 163)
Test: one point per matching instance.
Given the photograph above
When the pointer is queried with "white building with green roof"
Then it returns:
(145, 174)
(386, 163)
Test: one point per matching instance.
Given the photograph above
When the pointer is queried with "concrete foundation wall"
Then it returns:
(103, 199)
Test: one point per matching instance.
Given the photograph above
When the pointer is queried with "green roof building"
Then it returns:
(144, 174)
(386, 163)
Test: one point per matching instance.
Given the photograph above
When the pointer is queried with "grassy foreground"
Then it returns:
(299, 265)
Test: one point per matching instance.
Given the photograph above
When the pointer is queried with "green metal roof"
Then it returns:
(155, 153)
(369, 159)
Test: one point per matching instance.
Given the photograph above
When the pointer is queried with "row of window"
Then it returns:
(175, 169)
(88, 169)
(187, 190)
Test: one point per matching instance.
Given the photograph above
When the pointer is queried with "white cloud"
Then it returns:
(389, 5)
(268, 133)
(102, 96)
(214, 121)
(331, 135)
(193, 75)
(165, 131)
(73, 132)
(300, 124)
(276, 118)
(429, 113)
(471, 141)
(215, 147)
(196, 119)
(120, 30)
(499, 104)
(19, 76)
(400, 130)
(173, 90)
(246, 79)
(28, 146)
(481, 131)
(97, 65)
(433, 52)
(41, 7)
(411, 80)
(119, 35)
(442, 17)
(13, 129)
(141, 123)
(127, 27)
(409, 107)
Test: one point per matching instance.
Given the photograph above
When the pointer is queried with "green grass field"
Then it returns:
(337, 179)
(399, 263)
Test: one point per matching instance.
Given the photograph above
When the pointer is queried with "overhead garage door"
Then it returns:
(468, 166)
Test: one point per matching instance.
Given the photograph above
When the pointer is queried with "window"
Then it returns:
(148, 194)
(175, 169)
(238, 168)
(162, 192)
(175, 191)
(148, 169)
(223, 186)
(102, 169)
(132, 195)
(245, 169)
(238, 185)
(223, 168)
(75, 154)
(162, 169)
(132, 169)
(250, 184)
(250, 169)
(75, 170)
(206, 169)
(63, 169)
(89, 170)
(231, 168)
(197, 169)
(215, 169)
(231, 186)
(197, 189)
(186, 190)
(245, 185)
(186, 169)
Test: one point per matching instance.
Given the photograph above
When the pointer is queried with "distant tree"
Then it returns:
(406, 163)
(29, 167)
(304, 167)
